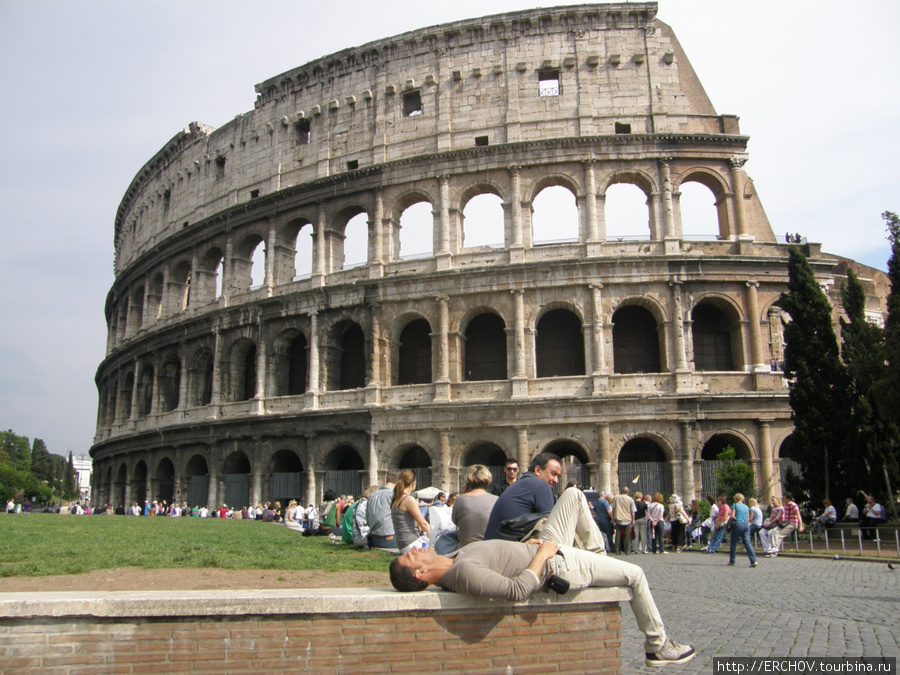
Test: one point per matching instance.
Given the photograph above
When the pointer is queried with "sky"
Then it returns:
(94, 88)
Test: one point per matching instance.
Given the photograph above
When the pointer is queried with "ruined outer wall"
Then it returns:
(475, 78)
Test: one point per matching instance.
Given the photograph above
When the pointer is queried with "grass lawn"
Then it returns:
(41, 544)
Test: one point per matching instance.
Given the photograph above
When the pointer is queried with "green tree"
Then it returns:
(816, 379)
(40, 461)
(872, 439)
(736, 476)
(14, 450)
(70, 480)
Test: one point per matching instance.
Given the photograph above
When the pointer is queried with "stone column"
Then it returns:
(768, 485)
(271, 242)
(215, 397)
(260, 361)
(737, 188)
(212, 486)
(135, 391)
(319, 263)
(183, 381)
(443, 254)
(590, 182)
(669, 235)
(756, 349)
(255, 484)
(375, 368)
(445, 461)
(523, 456)
(678, 325)
(227, 268)
(519, 378)
(516, 246)
(312, 394)
(442, 384)
(604, 480)
(599, 373)
(376, 267)
(687, 471)
(373, 459)
(310, 482)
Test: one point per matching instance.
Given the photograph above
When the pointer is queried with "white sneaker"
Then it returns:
(671, 652)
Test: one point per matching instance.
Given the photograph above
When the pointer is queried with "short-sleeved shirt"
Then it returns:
(529, 494)
(741, 512)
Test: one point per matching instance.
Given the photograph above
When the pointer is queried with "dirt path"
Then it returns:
(135, 579)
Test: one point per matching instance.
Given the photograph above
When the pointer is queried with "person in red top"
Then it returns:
(793, 520)
(721, 520)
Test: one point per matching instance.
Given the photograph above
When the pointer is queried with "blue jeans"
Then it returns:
(382, 542)
(742, 530)
(658, 532)
(717, 540)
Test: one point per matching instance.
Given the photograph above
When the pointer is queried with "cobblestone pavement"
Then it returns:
(785, 607)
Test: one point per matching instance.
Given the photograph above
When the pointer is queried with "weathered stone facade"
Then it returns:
(601, 348)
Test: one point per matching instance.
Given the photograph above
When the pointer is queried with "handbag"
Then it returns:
(522, 528)
(729, 526)
(683, 517)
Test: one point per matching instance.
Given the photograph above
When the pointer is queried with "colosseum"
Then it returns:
(407, 255)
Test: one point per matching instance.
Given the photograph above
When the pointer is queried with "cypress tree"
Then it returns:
(817, 381)
(70, 480)
(40, 461)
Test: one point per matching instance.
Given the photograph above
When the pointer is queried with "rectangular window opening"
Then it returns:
(303, 128)
(352, 165)
(622, 128)
(412, 103)
(548, 82)
(220, 167)
(254, 194)
(167, 200)
(481, 140)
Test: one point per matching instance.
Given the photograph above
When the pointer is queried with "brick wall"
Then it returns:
(432, 631)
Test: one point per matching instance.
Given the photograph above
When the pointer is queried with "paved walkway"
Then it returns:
(785, 607)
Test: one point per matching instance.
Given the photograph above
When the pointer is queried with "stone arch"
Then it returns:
(554, 212)
(716, 441)
(242, 370)
(347, 237)
(154, 297)
(575, 457)
(486, 217)
(180, 285)
(200, 378)
(169, 382)
(126, 396)
(196, 477)
(485, 452)
(236, 470)
(628, 211)
(286, 473)
(344, 468)
(165, 480)
(208, 286)
(720, 190)
(119, 489)
(344, 356)
(136, 310)
(293, 257)
(638, 338)
(647, 458)
(485, 349)
(559, 349)
(716, 334)
(244, 271)
(412, 354)
(417, 458)
(146, 385)
(139, 482)
(290, 363)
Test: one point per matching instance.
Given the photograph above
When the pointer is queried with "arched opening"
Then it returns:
(417, 459)
(790, 470)
(180, 286)
(297, 366)
(643, 467)
(286, 482)
(414, 353)
(343, 471)
(145, 395)
(209, 283)
(170, 383)
(356, 241)
(559, 345)
(483, 222)
(248, 266)
(136, 310)
(716, 338)
(126, 397)
(635, 341)
(485, 349)
(201, 382)
(303, 253)
(554, 217)
(345, 357)
(574, 464)
(416, 231)
(139, 483)
(627, 213)
(711, 464)
(237, 479)
(258, 266)
(154, 297)
(699, 211)
(490, 455)
(243, 370)
(197, 475)
(119, 488)
(165, 481)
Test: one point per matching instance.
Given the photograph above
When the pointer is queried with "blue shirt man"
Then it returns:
(532, 493)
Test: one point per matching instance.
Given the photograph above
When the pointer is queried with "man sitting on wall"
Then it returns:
(514, 571)
(532, 493)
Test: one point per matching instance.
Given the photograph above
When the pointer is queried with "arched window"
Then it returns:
(417, 459)
(145, 400)
(635, 341)
(713, 335)
(303, 256)
(345, 358)
(626, 213)
(165, 480)
(126, 397)
(485, 348)
(170, 383)
(414, 362)
(643, 467)
(483, 222)
(559, 345)
(699, 213)
(555, 216)
(243, 371)
(209, 281)
(197, 474)
(136, 310)
(180, 285)
(258, 266)
(416, 230)
(201, 379)
(297, 366)
(237, 479)
(356, 241)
